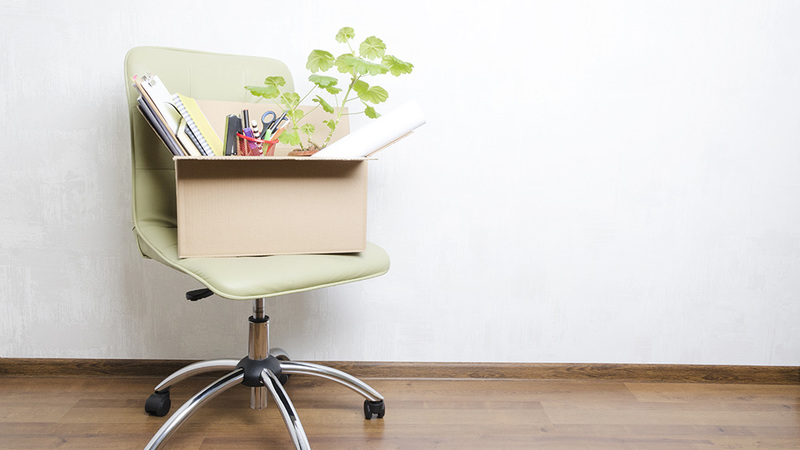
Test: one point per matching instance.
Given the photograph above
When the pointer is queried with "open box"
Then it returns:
(256, 206)
(249, 206)
(240, 206)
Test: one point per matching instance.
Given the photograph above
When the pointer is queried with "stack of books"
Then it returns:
(177, 119)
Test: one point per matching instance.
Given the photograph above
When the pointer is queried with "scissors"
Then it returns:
(267, 125)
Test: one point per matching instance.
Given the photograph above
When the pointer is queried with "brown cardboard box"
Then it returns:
(247, 206)
(253, 206)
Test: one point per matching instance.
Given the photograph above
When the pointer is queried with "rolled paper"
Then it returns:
(377, 134)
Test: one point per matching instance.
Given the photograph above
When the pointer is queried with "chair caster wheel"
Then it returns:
(158, 404)
(377, 409)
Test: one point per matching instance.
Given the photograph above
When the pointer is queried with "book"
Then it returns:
(198, 125)
(158, 127)
(185, 138)
(159, 103)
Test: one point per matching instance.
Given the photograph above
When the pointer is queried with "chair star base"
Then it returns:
(263, 371)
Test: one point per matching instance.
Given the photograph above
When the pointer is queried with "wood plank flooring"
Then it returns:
(107, 413)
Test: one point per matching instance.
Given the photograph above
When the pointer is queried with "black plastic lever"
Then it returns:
(198, 294)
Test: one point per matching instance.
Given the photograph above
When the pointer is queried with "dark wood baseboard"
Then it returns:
(665, 373)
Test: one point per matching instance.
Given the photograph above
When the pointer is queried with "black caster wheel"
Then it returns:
(377, 409)
(158, 404)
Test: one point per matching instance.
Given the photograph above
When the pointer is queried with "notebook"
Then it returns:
(209, 143)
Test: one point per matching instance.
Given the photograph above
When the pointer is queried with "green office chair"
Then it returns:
(211, 76)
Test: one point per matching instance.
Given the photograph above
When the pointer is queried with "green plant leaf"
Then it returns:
(349, 64)
(325, 105)
(323, 81)
(360, 86)
(345, 34)
(372, 48)
(275, 81)
(370, 112)
(319, 61)
(367, 93)
(264, 91)
(374, 94)
(344, 63)
(371, 68)
(296, 115)
(290, 138)
(330, 123)
(290, 100)
(396, 66)
(308, 129)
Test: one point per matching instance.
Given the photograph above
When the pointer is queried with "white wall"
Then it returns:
(598, 181)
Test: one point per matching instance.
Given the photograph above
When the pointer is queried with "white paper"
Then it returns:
(377, 134)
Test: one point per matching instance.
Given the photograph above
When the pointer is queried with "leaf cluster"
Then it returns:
(370, 60)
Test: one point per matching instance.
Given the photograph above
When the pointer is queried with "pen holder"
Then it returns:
(248, 146)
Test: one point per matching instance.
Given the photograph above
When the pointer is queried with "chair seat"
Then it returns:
(247, 278)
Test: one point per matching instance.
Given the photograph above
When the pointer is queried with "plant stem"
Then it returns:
(293, 109)
(339, 112)
(306, 96)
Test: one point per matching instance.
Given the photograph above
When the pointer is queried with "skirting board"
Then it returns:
(664, 373)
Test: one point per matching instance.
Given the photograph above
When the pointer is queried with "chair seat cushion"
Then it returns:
(246, 278)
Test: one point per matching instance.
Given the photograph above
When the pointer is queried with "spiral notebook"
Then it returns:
(201, 130)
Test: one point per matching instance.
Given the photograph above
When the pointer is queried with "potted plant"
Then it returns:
(369, 60)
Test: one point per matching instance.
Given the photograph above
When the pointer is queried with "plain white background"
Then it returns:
(598, 181)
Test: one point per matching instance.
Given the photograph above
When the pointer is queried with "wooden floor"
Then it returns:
(107, 413)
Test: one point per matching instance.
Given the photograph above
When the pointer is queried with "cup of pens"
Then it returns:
(250, 142)
(249, 145)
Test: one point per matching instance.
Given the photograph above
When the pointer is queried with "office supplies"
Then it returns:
(233, 126)
(188, 141)
(267, 125)
(252, 145)
(209, 143)
(177, 119)
(277, 122)
(245, 118)
(191, 135)
(217, 110)
(160, 101)
(281, 127)
(376, 135)
(158, 127)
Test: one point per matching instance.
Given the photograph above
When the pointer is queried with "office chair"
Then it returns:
(210, 76)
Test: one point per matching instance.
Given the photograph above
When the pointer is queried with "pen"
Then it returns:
(278, 122)
(280, 130)
(245, 117)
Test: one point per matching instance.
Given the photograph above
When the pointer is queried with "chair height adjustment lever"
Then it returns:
(198, 294)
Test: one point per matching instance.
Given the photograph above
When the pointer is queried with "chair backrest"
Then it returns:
(201, 75)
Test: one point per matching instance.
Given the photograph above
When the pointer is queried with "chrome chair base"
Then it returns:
(262, 371)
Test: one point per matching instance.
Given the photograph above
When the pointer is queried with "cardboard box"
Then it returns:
(252, 206)
(257, 206)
